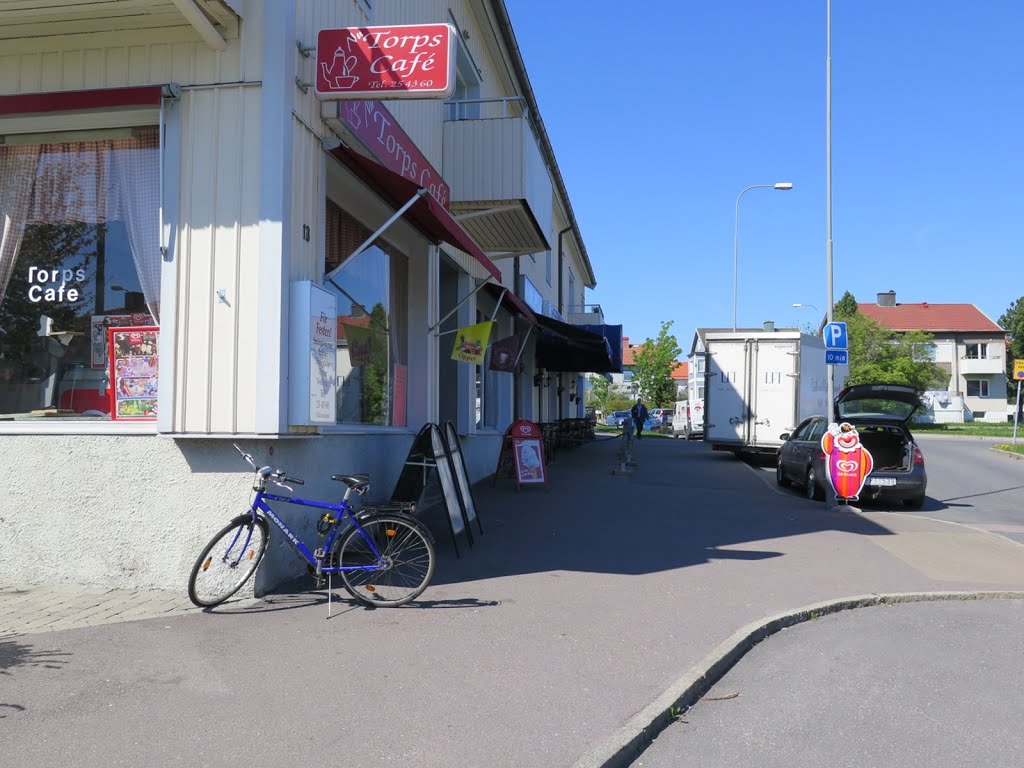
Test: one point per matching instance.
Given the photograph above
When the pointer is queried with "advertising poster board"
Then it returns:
(313, 355)
(849, 462)
(134, 372)
(522, 455)
(99, 325)
(458, 461)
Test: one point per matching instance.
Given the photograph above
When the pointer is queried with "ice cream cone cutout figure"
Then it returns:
(849, 462)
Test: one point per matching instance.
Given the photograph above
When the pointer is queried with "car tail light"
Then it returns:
(918, 456)
(823, 456)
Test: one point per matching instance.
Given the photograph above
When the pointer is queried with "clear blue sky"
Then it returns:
(659, 123)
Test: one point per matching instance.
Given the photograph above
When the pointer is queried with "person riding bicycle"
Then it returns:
(639, 414)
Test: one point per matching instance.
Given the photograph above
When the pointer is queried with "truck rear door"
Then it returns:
(725, 389)
(774, 389)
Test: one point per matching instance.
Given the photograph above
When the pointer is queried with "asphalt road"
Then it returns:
(924, 685)
(968, 483)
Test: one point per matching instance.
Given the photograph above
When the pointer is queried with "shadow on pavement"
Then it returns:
(683, 505)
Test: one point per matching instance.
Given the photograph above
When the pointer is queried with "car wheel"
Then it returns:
(780, 477)
(915, 503)
(811, 486)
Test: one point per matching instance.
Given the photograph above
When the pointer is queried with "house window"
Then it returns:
(372, 337)
(977, 351)
(700, 364)
(924, 352)
(977, 387)
(79, 253)
(573, 307)
(700, 392)
(547, 266)
(464, 104)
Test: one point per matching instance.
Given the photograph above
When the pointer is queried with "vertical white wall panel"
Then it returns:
(220, 174)
(113, 60)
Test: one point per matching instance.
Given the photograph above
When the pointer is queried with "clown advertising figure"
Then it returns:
(849, 462)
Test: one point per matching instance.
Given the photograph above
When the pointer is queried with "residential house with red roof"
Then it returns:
(966, 344)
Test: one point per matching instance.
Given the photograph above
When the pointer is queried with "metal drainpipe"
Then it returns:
(561, 310)
(517, 383)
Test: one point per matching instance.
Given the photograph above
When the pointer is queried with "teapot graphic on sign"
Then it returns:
(339, 73)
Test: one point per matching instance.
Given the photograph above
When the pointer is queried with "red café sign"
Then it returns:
(413, 61)
(377, 128)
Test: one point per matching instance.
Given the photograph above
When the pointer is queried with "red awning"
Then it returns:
(426, 214)
(67, 101)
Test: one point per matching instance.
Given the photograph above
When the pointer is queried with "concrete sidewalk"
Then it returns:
(553, 641)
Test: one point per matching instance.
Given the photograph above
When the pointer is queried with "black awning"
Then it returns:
(565, 347)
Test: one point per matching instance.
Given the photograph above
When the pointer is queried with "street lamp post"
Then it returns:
(781, 185)
(807, 306)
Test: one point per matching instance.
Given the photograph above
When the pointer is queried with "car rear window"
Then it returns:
(876, 407)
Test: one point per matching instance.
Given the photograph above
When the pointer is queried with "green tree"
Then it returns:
(652, 368)
(879, 355)
(1012, 321)
(597, 393)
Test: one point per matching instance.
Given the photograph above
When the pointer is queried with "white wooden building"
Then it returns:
(170, 164)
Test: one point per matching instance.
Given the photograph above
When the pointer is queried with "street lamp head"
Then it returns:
(784, 185)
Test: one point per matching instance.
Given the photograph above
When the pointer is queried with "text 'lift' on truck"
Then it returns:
(760, 385)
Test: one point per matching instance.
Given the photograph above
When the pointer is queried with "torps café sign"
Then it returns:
(415, 61)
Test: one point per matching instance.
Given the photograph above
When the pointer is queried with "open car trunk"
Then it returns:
(889, 446)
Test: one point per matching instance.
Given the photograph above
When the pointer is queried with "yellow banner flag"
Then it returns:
(471, 343)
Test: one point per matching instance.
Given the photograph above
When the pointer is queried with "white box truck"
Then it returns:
(759, 385)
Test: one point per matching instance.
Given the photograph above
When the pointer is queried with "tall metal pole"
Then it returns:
(828, 191)
(736, 249)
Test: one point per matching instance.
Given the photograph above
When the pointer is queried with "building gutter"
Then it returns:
(519, 67)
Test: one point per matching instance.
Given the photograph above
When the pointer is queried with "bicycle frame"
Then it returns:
(343, 510)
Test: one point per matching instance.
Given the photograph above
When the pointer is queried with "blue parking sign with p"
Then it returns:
(835, 336)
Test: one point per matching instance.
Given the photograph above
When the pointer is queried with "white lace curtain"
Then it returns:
(91, 182)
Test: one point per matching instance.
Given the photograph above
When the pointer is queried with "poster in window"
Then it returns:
(400, 394)
(134, 372)
(99, 326)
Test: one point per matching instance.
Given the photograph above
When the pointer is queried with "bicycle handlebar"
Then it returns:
(268, 473)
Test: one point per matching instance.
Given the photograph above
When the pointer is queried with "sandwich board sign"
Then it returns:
(410, 61)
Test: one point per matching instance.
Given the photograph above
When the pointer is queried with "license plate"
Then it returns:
(887, 481)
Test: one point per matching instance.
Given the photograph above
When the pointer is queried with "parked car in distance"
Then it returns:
(616, 418)
(881, 414)
(661, 415)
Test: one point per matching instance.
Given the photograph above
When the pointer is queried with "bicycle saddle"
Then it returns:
(355, 482)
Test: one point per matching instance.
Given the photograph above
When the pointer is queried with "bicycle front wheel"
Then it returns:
(228, 561)
(405, 567)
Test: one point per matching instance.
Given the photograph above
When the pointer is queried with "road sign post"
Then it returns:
(1018, 376)
(836, 344)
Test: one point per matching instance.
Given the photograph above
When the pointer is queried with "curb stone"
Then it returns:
(1011, 454)
(626, 744)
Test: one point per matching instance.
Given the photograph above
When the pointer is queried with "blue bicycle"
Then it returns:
(383, 558)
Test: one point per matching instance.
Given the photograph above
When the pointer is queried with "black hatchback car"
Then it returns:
(881, 413)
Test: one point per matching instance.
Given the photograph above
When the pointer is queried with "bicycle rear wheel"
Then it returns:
(407, 559)
(228, 561)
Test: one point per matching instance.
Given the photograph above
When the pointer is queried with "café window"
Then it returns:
(372, 294)
(79, 254)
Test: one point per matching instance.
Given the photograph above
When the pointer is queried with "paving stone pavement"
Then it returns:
(31, 609)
